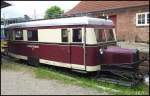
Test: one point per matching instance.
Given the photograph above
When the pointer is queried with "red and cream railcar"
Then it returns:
(66, 42)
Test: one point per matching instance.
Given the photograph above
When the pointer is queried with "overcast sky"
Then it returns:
(21, 8)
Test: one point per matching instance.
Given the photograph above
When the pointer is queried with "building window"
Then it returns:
(64, 35)
(18, 35)
(32, 35)
(148, 18)
(142, 19)
(100, 35)
(77, 35)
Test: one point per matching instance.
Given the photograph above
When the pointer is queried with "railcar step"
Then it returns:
(120, 82)
(79, 71)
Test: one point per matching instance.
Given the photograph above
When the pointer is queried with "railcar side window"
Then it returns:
(100, 35)
(19, 35)
(32, 35)
(10, 34)
(110, 35)
(77, 35)
(64, 35)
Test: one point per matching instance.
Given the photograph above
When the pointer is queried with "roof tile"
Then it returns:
(89, 6)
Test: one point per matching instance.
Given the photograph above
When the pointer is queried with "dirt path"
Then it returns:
(24, 83)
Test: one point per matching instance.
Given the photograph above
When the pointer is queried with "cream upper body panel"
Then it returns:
(90, 36)
(49, 35)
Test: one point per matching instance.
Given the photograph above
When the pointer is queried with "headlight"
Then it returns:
(101, 51)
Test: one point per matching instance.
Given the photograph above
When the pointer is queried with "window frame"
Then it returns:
(62, 35)
(11, 35)
(81, 35)
(104, 34)
(32, 34)
(14, 36)
(145, 14)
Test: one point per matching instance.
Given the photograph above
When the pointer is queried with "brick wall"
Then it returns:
(126, 26)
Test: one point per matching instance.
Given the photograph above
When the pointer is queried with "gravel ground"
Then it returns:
(24, 83)
(140, 46)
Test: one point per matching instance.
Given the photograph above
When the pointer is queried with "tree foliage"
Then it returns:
(53, 12)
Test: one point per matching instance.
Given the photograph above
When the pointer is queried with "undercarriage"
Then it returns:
(122, 74)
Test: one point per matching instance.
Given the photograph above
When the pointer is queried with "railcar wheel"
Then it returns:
(33, 61)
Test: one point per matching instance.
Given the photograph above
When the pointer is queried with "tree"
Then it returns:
(53, 12)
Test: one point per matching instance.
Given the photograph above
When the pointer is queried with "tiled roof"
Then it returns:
(90, 6)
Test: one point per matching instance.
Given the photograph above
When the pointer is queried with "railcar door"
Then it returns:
(33, 58)
(65, 47)
(76, 49)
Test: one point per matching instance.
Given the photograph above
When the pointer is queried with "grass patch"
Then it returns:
(52, 74)
(69, 77)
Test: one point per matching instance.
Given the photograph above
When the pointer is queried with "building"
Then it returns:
(16, 20)
(131, 18)
(5, 22)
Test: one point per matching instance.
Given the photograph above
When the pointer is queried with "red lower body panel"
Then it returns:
(73, 54)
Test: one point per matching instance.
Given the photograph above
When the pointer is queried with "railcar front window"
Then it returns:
(32, 35)
(19, 35)
(110, 35)
(100, 35)
(77, 35)
(64, 34)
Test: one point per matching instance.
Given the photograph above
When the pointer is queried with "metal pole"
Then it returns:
(34, 14)
(84, 47)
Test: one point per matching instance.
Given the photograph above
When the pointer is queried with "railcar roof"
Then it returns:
(63, 21)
